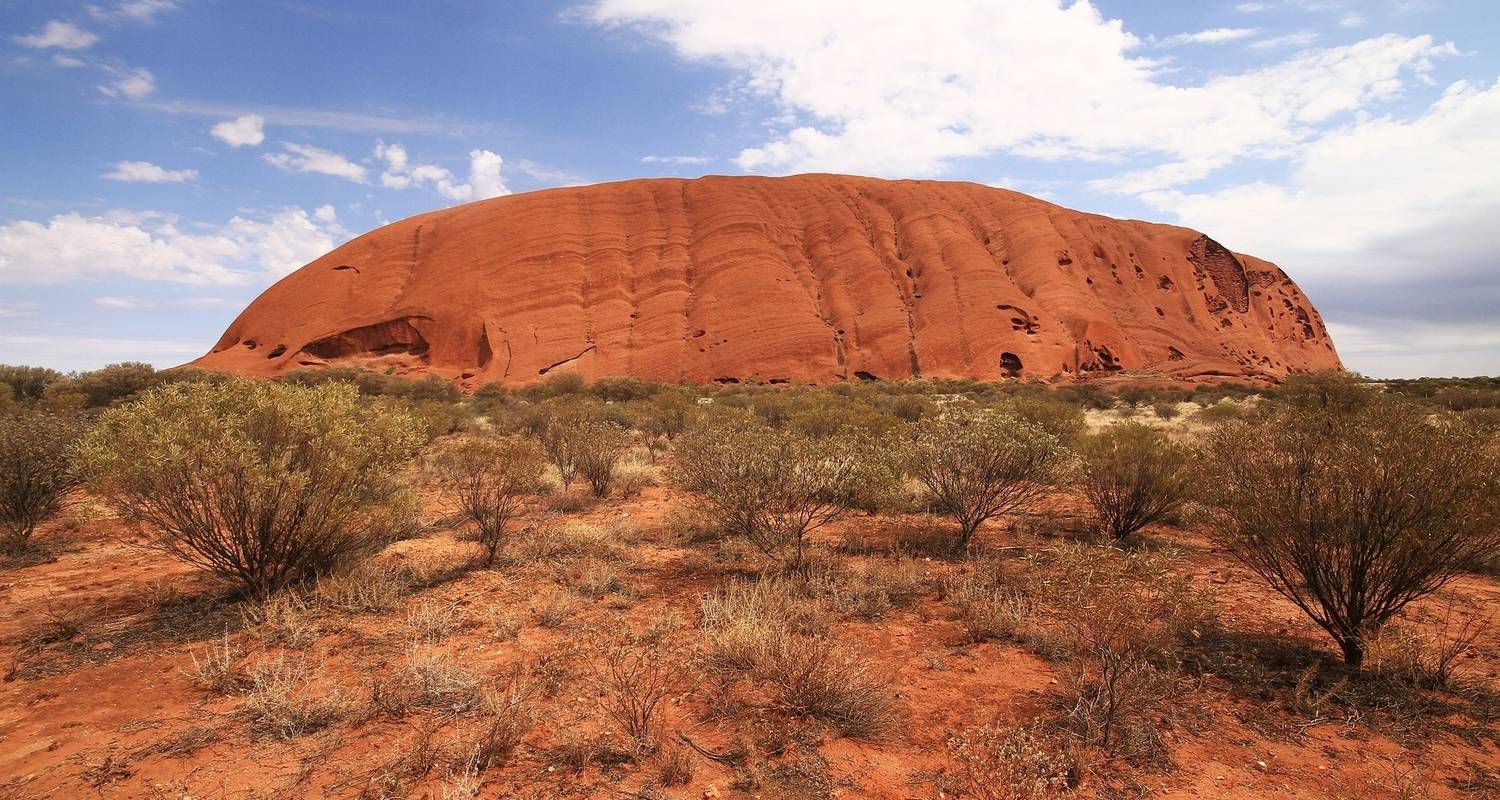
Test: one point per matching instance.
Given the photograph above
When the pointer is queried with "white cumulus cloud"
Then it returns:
(484, 179)
(61, 35)
(152, 246)
(244, 130)
(147, 172)
(873, 88)
(307, 158)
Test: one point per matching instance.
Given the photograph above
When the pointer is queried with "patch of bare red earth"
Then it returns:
(107, 710)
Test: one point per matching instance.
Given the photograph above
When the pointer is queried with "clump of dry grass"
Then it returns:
(286, 618)
(988, 611)
(764, 632)
(675, 765)
(1429, 657)
(1009, 763)
(217, 668)
(362, 588)
(282, 698)
(553, 608)
(433, 621)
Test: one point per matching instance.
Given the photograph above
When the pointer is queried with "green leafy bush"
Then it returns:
(1352, 505)
(1133, 476)
(490, 477)
(260, 483)
(977, 464)
(36, 471)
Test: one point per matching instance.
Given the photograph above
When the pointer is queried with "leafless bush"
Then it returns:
(1432, 656)
(634, 683)
(1133, 476)
(1009, 763)
(506, 716)
(1354, 509)
(490, 478)
(260, 483)
(36, 471)
(1121, 616)
(977, 464)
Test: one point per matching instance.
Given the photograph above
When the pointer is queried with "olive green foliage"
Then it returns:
(1354, 505)
(1133, 476)
(260, 483)
(36, 471)
(775, 486)
(490, 478)
(581, 437)
(598, 445)
(28, 383)
(978, 463)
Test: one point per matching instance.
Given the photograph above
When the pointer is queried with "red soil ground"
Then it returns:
(99, 638)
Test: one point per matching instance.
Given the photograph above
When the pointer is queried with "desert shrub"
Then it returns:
(634, 683)
(1009, 763)
(1330, 391)
(28, 383)
(563, 427)
(490, 478)
(1055, 416)
(114, 382)
(36, 471)
(776, 486)
(977, 464)
(1354, 509)
(553, 608)
(257, 482)
(1219, 412)
(1165, 410)
(598, 447)
(1124, 620)
(1133, 476)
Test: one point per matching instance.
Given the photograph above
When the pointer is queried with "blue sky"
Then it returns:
(162, 161)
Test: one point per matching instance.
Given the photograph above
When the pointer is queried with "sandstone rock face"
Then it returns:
(805, 278)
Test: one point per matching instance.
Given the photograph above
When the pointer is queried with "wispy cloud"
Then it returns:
(307, 158)
(1295, 39)
(147, 172)
(166, 302)
(675, 159)
(60, 35)
(129, 82)
(292, 116)
(1210, 36)
(132, 10)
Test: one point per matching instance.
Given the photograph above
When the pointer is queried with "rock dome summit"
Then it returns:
(814, 278)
